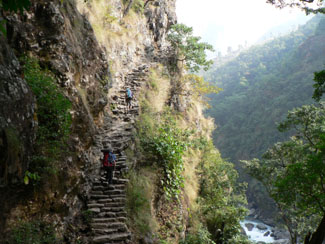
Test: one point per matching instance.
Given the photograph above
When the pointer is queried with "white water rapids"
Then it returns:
(257, 234)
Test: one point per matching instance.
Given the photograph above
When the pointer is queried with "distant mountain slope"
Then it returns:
(261, 85)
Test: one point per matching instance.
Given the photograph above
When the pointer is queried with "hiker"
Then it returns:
(128, 97)
(109, 163)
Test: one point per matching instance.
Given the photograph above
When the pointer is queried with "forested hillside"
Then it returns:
(261, 85)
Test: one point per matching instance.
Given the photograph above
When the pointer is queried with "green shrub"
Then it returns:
(34, 232)
(166, 144)
(87, 215)
(222, 199)
(200, 237)
(52, 106)
(54, 119)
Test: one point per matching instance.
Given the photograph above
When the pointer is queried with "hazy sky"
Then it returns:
(225, 23)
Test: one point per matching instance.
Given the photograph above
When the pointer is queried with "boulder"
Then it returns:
(249, 226)
(280, 234)
(267, 233)
(261, 227)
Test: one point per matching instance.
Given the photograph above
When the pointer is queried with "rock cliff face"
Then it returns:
(95, 52)
(17, 124)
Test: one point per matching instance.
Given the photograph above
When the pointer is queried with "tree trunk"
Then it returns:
(318, 236)
(128, 8)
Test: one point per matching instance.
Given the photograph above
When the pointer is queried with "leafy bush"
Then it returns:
(54, 119)
(201, 236)
(34, 232)
(221, 197)
(166, 145)
(52, 106)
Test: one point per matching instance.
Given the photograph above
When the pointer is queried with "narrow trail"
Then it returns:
(107, 202)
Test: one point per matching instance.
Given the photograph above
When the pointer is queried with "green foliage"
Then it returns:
(259, 86)
(2, 27)
(201, 236)
(14, 5)
(54, 119)
(34, 232)
(87, 216)
(31, 176)
(246, 114)
(199, 86)
(293, 171)
(319, 78)
(52, 106)
(188, 47)
(166, 144)
(222, 199)
(307, 5)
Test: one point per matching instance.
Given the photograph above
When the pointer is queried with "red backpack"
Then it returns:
(109, 159)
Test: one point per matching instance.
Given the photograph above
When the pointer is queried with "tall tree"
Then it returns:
(188, 48)
(319, 85)
(294, 173)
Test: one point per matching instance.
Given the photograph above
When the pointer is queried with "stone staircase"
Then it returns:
(107, 202)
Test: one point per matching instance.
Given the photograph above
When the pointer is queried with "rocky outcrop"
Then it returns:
(17, 121)
(93, 75)
(63, 40)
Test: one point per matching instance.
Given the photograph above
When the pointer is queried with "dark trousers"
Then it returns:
(109, 174)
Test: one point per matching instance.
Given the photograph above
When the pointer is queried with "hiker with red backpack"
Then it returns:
(109, 163)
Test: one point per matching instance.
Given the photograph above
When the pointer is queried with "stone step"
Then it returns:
(114, 237)
(122, 186)
(111, 214)
(113, 204)
(105, 220)
(113, 209)
(120, 181)
(94, 210)
(112, 192)
(104, 231)
(99, 196)
(96, 205)
(119, 140)
(114, 196)
(108, 225)
(106, 200)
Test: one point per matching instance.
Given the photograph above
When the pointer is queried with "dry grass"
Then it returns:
(191, 188)
(111, 30)
(140, 193)
(159, 89)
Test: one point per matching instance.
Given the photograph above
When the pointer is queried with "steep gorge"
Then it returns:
(93, 50)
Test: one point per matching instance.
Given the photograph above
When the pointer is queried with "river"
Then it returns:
(257, 231)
